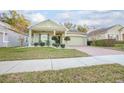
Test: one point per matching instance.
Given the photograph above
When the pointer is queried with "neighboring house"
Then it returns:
(113, 32)
(44, 31)
(9, 37)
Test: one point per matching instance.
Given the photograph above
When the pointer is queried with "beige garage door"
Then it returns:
(77, 41)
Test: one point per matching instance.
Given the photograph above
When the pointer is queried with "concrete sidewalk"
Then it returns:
(56, 64)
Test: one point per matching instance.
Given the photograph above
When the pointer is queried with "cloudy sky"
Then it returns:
(90, 18)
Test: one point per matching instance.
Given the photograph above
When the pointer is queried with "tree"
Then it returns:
(83, 28)
(15, 19)
(55, 38)
(69, 25)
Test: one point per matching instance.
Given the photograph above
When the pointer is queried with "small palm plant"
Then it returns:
(67, 38)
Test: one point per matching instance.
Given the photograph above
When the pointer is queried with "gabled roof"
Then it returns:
(48, 25)
(5, 26)
(103, 30)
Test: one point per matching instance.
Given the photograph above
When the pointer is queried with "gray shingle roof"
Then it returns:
(48, 25)
(5, 26)
(102, 30)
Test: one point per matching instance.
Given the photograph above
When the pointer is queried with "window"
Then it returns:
(44, 38)
(113, 36)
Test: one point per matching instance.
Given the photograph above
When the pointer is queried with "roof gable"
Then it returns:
(48, 25)
(4, 25)
(104, 30)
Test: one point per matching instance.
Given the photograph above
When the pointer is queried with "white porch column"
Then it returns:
(66, 32)
(54, 32)
(30, 38)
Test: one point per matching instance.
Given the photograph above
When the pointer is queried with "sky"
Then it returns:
(92, 18)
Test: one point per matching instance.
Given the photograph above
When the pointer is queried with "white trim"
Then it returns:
(30, 38)
(5, 42)
(54, 32)
(76, 35)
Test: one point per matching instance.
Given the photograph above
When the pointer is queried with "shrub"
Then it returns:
(55, 38)
(36, 44)
(48, 43)
(67, 38)
(89, 43)
(62, 45)
(119, 42)
(42, 44)
(104, 42)
(55, 44)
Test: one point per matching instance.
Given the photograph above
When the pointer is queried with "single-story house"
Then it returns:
(113, 32)
(45, 30)
(9, 37)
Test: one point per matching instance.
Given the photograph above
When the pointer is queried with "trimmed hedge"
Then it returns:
(119, 42)
(104, 42)
(42, 44)
(36, 44)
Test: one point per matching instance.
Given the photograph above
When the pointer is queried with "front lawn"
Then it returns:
(118, 48)
(99, 73)
(37, 53)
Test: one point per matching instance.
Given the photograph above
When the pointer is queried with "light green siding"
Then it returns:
(35, 37)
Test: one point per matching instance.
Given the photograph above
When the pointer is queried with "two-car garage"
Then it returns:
(77, 39)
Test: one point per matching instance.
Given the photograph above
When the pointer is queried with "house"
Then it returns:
(9, 37)
(113, 32)
(45, 30)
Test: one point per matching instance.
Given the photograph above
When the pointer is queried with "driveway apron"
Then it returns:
(98, 51)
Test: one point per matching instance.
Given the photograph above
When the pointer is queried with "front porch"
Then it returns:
(44, 31)
(46, 37)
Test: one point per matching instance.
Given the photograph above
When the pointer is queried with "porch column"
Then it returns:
(30, 38)
(66, 32)
(120, 36)
(54, 32)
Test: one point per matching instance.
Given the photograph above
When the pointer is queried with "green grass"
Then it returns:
(118, 48)
(99, 73)
(37, 53)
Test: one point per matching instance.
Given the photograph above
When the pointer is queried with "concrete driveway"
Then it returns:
(98, 51)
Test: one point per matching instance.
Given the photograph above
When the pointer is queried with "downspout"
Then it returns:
(4, 41)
